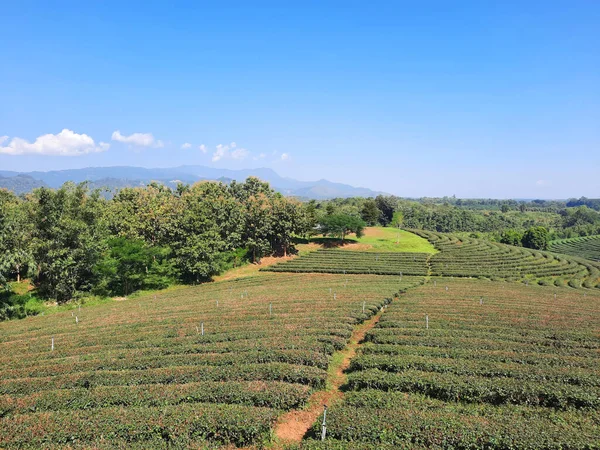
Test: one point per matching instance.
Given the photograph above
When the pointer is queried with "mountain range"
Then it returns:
(126, 176)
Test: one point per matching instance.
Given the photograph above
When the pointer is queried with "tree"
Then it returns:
(396, 222)
(68, 240)
(536, 238)
(210, 223)
(130, 265)
(369, 212)
(339, 225)
(288, 220)
(511, 237)
(386, 205)
(505, 208)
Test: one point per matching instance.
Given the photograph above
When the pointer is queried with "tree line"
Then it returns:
(72, 242)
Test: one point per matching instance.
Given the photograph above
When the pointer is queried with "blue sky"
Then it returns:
(476, 99)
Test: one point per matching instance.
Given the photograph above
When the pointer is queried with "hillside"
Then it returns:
(423, 361)
(585, 247)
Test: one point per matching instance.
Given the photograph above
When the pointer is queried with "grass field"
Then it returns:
(383, 239)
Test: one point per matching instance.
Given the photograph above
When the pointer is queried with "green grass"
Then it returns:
(377, 239)
(386, 239)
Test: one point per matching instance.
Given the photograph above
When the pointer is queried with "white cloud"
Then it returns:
(239, 153)
(202, 148)
(541, 182)
(231, 151)
(65, 143)
(138, 139)
(285, 156)
(260, 156)
(186, 146)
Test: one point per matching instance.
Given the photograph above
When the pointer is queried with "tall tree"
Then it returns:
(210, 223)
(369, 212)
(68, 239)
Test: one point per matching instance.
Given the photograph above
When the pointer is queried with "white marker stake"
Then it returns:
(324, 427)
(427, 322)
(52, 345)
(481, 301)
(446, 288)
(202, 328)
(217, 303)
(270, 309)
(76, 319)
(364, 307)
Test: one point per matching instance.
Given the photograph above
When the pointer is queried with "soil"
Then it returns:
(293, 426)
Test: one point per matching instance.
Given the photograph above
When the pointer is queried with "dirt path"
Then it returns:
(292, 426)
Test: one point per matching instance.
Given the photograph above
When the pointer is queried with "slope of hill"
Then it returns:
(20, 184)
(585, 247)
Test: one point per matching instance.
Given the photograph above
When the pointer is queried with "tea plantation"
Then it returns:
(586, 247)
(460, 356)
(215, 364)
(479, 258)
(496, 365)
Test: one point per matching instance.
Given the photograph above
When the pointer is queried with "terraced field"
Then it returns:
(356, 262)
(585, 247)
(211, 365)
(501, 365)
(479, 258)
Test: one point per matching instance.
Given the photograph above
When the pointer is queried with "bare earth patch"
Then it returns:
(293, 426)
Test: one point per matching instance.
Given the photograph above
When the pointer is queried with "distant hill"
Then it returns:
(20, 184)
(126, 176)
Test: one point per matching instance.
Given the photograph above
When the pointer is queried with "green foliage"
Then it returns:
(511, 237)
(131, 265)
(536, 238)
(339, 225)
(369, 213)
(68, 240)
(72, 241)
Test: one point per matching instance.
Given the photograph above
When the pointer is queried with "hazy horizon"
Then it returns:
(468, 99)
